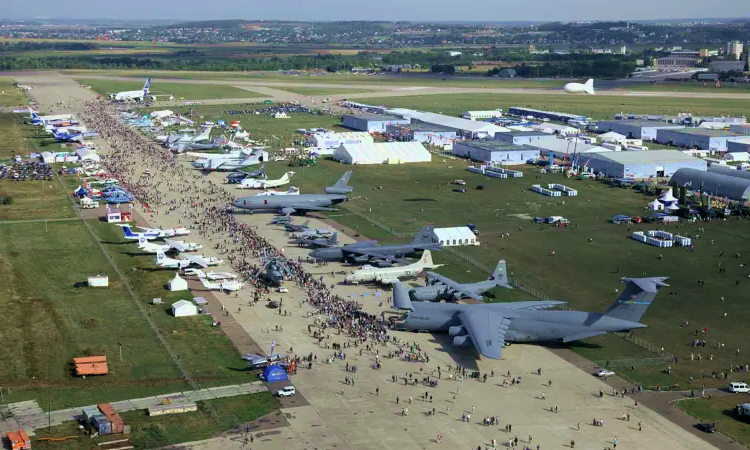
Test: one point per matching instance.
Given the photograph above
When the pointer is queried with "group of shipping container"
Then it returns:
(104, 419)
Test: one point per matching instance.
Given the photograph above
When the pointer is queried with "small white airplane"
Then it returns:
(292, 191)
(182, 247)
(204, 261)
(161, 260)
(390, 275)
(250, 183)
(131, 236)
(222, 285)
(171, 232)
(580, 88)
(150, 247)
(125, 96)
(213, 276)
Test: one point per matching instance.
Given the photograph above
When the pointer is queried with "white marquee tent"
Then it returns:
(184, 308)
(177, 284)
(656, 205)
(382, 153)
(450, 237)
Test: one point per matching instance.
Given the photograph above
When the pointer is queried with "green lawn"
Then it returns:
(212, 417)
(719, 410)
(313, 91)
(582, 273)
(9, 94)
(34, 200)
(728, 87)
(178, 90)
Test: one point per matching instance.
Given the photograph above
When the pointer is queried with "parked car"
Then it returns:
(286, 391)
(604, 373)
(461, 190)
(739, 387)
(459, 182)
(706, 427)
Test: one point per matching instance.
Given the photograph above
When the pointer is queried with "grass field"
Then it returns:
(581, 272)
(312, 91)
(178, 90)
(9, 94)
(719, 410)
(212, 417)
(597, 107)
(688, 87)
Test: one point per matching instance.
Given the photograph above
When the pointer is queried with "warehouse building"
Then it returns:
(327, 143)
(470, 129)
(741, 128)
(732, 171)
(636, 129)
(564, 147)
(716, 184)
(639, 165)
(521, 137)
(495, 152)
(550, 115)
(382, 153)
(737, 145)
(556, 128)
(701, 138)
(422, 132)
(675, 62)
(371, 123)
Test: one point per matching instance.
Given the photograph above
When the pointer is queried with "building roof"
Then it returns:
(419, 126)
(676, 58)
(554, 126)
(646, 157)
(531, 132)
(459, 234)
(706, 132)
(182, 303)
(381, 152)
(716, 184)
(565, 146)
(497, 146)
(456, 123)
(374, 117)
(538, 111)
(729, 170)
(641, 123)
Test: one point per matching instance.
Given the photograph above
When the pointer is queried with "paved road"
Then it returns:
(13, 222)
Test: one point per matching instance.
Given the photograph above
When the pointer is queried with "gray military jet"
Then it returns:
(367, 251)
(302, 203)
(492, 326)
(440, 287)
(293, 228)
(318, 242)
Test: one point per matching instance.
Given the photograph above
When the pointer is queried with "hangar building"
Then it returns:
(636, 129)
(372, 123)
(716, 184)
(637, 164)
(551, 115)
(464, 127)
(422, 132)
(382, 153)
(495, 151)
(701, 138)
(327, 143)
(729, 170)
(741, 128)
(521, 137)
(738, 145)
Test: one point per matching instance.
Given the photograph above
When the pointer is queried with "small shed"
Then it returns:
(99, 281)
(177, 283)
(184, 308)
(119, 216)
(91, 365)
(737, 156)
(48, 157)
(274, 373)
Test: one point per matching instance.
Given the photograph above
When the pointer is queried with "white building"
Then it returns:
(98, 281)
(85, 154)
(464, 127)
(184, 308)
(382, 153)
(452, 237)
(553, 128)
(734, 49)
(327, 143)
(481, 115)
(613, 137)
(177, 283)
(280, 115)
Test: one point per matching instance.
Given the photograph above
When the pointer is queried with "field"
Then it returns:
(719, 410)
(9, 94)
(589, 260)
(312, 91)
(597, 107)
(178, 90)
(212, 417)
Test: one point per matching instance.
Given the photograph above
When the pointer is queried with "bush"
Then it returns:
(6, 200)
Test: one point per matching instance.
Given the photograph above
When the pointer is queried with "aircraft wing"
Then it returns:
(361, 243)
(177, 245)
(531, 305)
(195, 259)
(486, 330)
(453, 285)
(362, 252)
(293, 208)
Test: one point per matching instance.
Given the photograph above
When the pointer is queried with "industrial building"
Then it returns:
(716, 184)
(371, 123)
(675, 62)
(423, 132)
(550, 115)
(521, 137)
(701, 138)
(636, 129)
(741, 128)
(327, 143)
(463, 127)
(737, 145)
(382, 153)
(732, 171)
(726, 66)
(564, 147)
(555, 128)
(496, 152)
(639, 165)
(482, 115)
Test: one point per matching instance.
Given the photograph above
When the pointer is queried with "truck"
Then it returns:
(557, 219)
(473, 228)
(87, 203)
(742, 410)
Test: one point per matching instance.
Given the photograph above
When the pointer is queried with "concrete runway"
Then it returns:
(368, 415)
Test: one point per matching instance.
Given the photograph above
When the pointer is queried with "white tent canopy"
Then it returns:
(667, 197)
(673, 207)
(454, 236)
(737, 156)
(184, 308)
(613, 137)
(656, 205)
(382, 153)
(177, 284)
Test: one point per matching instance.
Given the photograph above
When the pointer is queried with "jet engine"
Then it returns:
(461, 341)
(456, 331)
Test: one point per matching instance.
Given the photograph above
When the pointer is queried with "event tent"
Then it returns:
(184, 308)
(177, 283)
(274, 373)
(656, 205)
(382, 153)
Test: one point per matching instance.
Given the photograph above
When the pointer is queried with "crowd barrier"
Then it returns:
(663, 239)
(487, 172)
(547, 192)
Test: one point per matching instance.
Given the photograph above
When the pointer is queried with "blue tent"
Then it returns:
(274, 373)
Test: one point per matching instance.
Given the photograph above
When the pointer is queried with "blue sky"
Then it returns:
(414, 10)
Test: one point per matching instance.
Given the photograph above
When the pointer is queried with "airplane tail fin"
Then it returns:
(589, 86)
(127, 231)
(334, 239)
(146, 87)
(160, 256)
(401, 298)
(500, 275)
(425, 236)
(638, 295)
(426, 259)
(306, 224)
(341, 186)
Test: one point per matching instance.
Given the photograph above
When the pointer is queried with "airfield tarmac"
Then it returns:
(356, 417)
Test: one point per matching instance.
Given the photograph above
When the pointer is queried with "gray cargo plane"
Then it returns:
(303, 203)
(440, 287)
(490, 327)
(365, 251)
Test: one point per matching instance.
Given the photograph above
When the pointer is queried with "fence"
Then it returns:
(611, 363)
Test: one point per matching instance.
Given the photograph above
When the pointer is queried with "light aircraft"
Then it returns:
(249, 183)
(73, 136)
(221, 162)
(238, 176)
(168, 263)
(291, 191)
(44, 120)
(313, 232)
(150, 247)
(183, 247)
(126, 96)
(131, 236)
(224, 285)
(318, 242)
(580, 88)
(364, 251)
(302, 203)
(168, 140)
(213, 276)
(490, 327)
(440, 287)
(170, 232)
(390, 275)
(204, 261)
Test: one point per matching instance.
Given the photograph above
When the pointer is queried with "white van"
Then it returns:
(739, 388)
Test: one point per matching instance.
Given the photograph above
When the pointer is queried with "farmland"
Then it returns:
(178, 90)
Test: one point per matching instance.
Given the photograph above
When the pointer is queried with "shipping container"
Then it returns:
(126, 429)
(114, 418)
(88, 413)
(102, 424)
